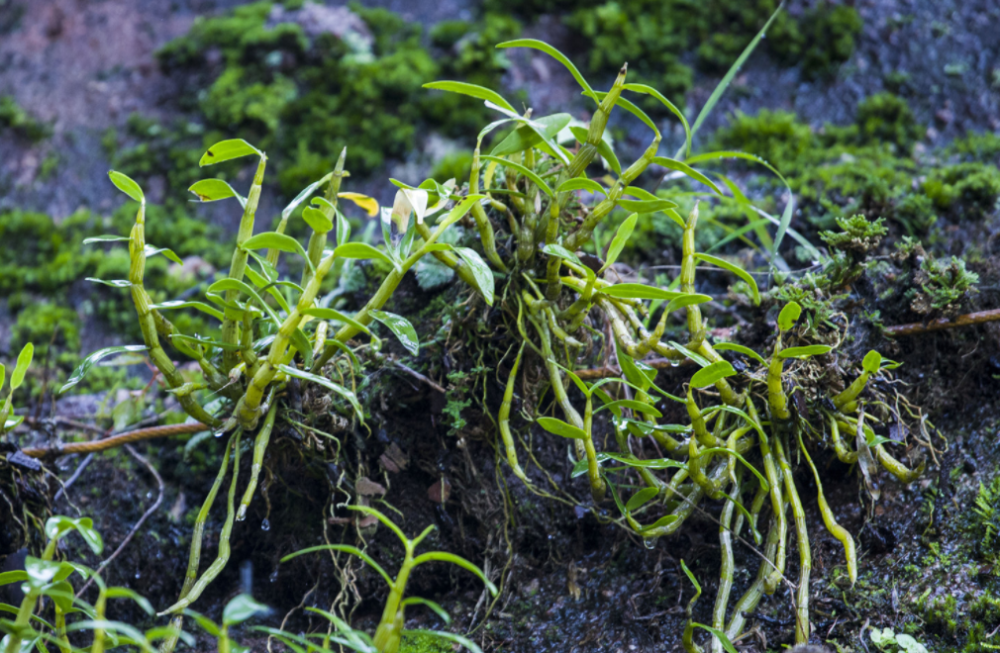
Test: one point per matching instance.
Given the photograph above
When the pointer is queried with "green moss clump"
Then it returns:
(46, 325)
(653, 35)
(454, 165)
(15, 118)
(983, 146)
(945, 282)
(886, 117)
(969, 189)
(47, 257)
(821, 41)
(303, 96)
(778, 137)
(858, 235)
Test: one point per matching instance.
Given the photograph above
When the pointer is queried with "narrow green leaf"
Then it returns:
(740, 349)
(720, 635)
(646, 206)
(690, 355)
(529, 135)
(561, 252)
(561, 428)
(731, 73)
(401, 327)
(632, 404)
(480, 271)
(437, 609)
(687, 300)
(21, 367)
(442, 556)
(694, 581)
(331, 314)
(648, 90)
(786, 215)
(126, 593)
(304, 195)
(201, 306)
(213, 190)
(328, 384)
(555, 54)
(274, 240)
(11, 577)
(317, 220)
(641, 498)
(639, 291)
(708, 375)
(634, 110)
(577, 183)
(88, 362)
(201, 341)
(227, 150)
(735, 269)
(106, 239)
(789, 315)
(362, 251)
(872, 363)
(680, 166)
(619, 241)
(632, 373)
(114, 283)
(301, 343)
(472, 90)
(665, 520)
(538, 181)
(126, 185)
(346, 548)
(805, 352)
(243, 287)
(241, 608)
(151, 251)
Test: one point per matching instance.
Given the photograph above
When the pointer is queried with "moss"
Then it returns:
(48, 257)
(454, 165)
(822, 40)
(944, 282)
(968, 189)
(886, 117)
(983, 146)
(303, 96)
(44, 325)
(653, 35)
(776, 136)
(19, 121)
(423, 643)
(857, 235)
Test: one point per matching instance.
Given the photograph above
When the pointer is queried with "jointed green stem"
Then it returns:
(239, 263)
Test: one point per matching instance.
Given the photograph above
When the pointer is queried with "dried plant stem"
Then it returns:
(918, 328)
(115, 441)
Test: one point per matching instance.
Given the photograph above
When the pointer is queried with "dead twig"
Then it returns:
(942, 323)
(115, 440)
(611, 370)
(420, 377)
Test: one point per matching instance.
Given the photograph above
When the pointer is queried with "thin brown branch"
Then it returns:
(115, 440)
(611, 370)
(943, 323)
(420, 377)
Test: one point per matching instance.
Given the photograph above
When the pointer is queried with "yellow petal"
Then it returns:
(367, 203)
